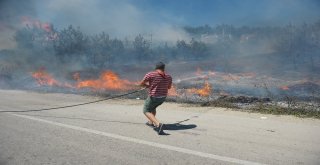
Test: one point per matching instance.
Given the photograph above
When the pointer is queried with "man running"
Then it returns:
(158, 83)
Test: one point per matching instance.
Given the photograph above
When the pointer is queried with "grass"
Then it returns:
(293, 108)
(279, 110)
(275, 109)
(220, 103)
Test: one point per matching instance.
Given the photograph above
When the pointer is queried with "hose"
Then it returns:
(68, 106)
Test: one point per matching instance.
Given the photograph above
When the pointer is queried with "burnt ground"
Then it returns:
(234, 89)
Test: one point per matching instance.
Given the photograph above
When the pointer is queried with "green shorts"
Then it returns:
(152, 103)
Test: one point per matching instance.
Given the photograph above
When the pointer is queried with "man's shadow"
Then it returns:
(178, 126)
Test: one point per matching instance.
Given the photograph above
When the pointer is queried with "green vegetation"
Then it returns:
(295, 45)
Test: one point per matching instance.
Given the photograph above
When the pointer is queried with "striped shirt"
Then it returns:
(158, 83)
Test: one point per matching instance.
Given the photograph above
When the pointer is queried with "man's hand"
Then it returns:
(144, 84)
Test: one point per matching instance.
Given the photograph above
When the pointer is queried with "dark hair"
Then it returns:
(160, 65)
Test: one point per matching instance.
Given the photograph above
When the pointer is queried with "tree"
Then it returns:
(24, 38)
(117, 49)
(71, 42)
(141, 48)
(198, 49)
(183, 49)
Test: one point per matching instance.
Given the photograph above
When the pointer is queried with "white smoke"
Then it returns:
(120, 19)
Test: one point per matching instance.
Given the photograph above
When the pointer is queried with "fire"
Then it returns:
(285, 88)
(172, 91)
(34, 23)
(46, 27)
(43, 78)
(204, 92)
(107, 80)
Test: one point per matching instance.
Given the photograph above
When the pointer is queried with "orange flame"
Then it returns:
(46, 27)
(107, 80)
(285, 88)
(43, 78)
(34, 23)
(204, 92)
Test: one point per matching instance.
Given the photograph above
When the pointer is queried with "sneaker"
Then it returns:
(159, 129)
(150, 125)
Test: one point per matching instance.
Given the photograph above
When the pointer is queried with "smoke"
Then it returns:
(289, 11)
(249, 12)
(158, 22)
(10, 13)
(119, 19)
(163, 20)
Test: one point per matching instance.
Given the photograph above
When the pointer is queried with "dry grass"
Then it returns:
(298, 111)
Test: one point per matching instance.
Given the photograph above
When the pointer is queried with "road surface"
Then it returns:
(113, 132)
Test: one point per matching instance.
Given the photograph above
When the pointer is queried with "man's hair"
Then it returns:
(160, 65)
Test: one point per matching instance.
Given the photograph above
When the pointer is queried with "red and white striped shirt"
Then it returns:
(159, 83)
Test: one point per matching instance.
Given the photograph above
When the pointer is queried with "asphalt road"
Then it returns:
(113, 132)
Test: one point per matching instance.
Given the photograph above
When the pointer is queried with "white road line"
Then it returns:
(139, 141)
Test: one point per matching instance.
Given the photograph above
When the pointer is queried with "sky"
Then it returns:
(185, 12)
(163, 19)
(238, 12)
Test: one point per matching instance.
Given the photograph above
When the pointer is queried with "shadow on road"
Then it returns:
(177, 126)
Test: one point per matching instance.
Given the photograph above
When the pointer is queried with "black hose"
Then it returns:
(67, 106)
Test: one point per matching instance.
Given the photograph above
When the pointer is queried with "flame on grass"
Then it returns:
(108, 80)
(285, 88)
(204, 92)
(44, 78)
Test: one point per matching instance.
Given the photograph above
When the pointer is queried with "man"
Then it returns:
(158, 83)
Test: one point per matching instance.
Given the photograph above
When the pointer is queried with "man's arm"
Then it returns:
(144, 83)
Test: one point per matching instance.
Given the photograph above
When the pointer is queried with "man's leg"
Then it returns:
(159, 126)
(150, 110)
(152, 118)
(154, 114)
